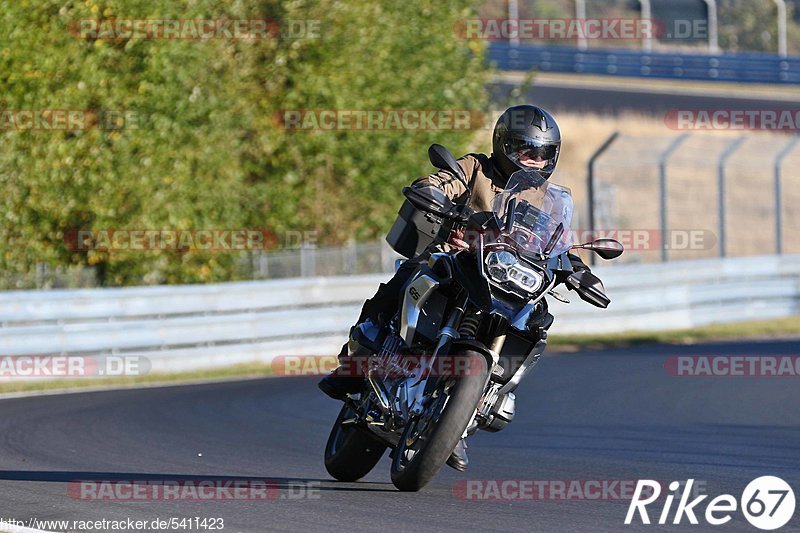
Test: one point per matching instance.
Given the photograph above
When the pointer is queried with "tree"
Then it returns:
(199, 146)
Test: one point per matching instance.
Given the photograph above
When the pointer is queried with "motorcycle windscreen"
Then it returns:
(539, 208)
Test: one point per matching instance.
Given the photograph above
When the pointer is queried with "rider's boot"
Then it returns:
(348, 378)
(341, 381)
(458, 459)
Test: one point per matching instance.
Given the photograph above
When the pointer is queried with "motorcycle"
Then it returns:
(471, 324)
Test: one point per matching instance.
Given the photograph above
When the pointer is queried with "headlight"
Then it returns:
(498, 265)
(505, 267)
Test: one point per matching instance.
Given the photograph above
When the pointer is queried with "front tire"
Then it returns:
(351, 453)
(422, 452)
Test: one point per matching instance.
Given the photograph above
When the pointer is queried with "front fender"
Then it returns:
(460, 345)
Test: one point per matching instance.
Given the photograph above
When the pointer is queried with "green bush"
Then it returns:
(201, 147)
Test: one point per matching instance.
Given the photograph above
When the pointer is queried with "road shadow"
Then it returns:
(139, 478)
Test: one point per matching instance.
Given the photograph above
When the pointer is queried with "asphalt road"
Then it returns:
(602, 100)
(594, 415)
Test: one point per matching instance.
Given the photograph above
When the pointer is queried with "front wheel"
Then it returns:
(429, 439)
(351, 452)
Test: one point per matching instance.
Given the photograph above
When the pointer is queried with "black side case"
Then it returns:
(417, 225)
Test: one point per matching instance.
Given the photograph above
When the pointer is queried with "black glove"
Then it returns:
(577, 264)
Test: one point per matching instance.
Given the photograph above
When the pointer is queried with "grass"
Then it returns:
(250, 370)
(780, 328)
(766, 329)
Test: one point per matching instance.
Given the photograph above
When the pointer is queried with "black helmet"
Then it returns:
(526, 131)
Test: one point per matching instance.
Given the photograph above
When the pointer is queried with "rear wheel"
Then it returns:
(429, 439)
(351, 452)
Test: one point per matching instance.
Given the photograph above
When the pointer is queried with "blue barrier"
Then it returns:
(747, 68)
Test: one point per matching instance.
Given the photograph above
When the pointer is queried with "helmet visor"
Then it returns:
(522, 150)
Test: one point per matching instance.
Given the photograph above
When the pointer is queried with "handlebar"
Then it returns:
(425, 199)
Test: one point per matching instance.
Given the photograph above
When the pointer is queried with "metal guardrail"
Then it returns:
(742, 68)
(200, 326)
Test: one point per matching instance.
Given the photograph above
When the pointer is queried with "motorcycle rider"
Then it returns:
(525, 136)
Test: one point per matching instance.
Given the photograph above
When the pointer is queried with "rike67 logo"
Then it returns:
(767, 503)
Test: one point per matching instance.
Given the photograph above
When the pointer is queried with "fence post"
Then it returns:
(713, 27)
(513, 15)
(647, 14)
(590, 182)
(779, 193)
(41, 275)
(721, 190)
(662, 190)
(308, 260)
(386, 261)
(783, 49)
(580, 14)
(351, 258)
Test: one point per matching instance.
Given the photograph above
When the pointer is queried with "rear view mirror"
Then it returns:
(442, 159)
(606, 248)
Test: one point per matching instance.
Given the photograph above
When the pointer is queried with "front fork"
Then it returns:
(424, 384)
